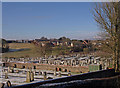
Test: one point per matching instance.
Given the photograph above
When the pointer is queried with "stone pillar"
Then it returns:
(69, 74)
(59, 74)
(28, 77)
(32, 76)
(6, 75)
(45, 75)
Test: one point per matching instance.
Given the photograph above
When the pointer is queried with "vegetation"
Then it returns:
(3, 46)
(44, 50)
(107, 15)
(28, 50)
(45, 47)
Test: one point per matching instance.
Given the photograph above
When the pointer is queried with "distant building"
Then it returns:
(11, 41)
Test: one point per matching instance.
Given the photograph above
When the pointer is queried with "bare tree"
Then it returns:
(107, 15)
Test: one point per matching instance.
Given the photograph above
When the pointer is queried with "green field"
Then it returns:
(30, 50)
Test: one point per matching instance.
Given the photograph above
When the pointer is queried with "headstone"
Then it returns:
(32, 76)
(30, 69)
(49, 78)
(34, 72)
(11, 70)
(28, 77)
(69, 74)
(40, 73)
(6, 75)
(8, 83)
(23, 71)
(8, 69)
(55, 73)
(2, 85)
(17, 71)
(45, 75)
(59, 74)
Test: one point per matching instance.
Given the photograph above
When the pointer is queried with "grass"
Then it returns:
(30, 50)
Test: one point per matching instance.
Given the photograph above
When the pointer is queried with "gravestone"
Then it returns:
(6, 75)
(49, 78)
(30, 69)
(55, 73)
(32, 76)
(59, 74)
(8, 69)
(45, 75)
(23, 71)
(34, 72)
(28, 77)
(17, 71)
(40, 73)
(2, 85)
(69, 74)
(8, 83)
(11, 70)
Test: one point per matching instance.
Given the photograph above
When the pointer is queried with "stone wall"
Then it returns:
(112, 82)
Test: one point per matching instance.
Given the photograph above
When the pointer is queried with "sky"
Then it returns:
(31, 20)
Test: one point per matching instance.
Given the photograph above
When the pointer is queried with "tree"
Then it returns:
(107, 15)
(86, 50)
(4, 46)
(43, 50)
(64, 39)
